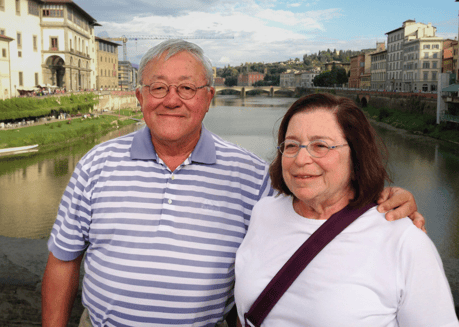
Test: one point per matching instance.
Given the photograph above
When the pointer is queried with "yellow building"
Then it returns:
(107, 64)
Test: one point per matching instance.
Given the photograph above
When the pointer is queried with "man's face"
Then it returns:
(173, 120)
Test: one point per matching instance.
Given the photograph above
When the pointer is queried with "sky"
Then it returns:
(264, 30)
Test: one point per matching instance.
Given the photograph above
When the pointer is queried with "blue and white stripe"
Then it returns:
(160, 244)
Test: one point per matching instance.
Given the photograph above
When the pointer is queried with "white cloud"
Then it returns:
(260, 32)
(224, 60)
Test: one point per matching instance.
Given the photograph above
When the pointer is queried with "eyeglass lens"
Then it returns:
(315, 148)
(185, 90)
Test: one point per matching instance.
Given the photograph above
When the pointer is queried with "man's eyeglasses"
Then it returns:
(185, 90)
(317, 148)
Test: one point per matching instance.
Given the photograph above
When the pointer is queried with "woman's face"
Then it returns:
(318, 181)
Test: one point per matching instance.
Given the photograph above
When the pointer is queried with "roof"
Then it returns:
(106, 41)
(71, 3)
(395, 30)
(451, 88)
(6, 38)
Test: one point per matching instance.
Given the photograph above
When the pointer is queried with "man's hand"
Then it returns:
(398, 203)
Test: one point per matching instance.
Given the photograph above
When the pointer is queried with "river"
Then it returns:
(31, 187)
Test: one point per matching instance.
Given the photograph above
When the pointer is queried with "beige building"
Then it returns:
(20, 21)
(107, 64)
(52, 43)
(378, 70)
(287, 79)
(422, 64)
(396, 44)
(5, 67)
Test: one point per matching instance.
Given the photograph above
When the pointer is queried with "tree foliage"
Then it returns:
(336, 76)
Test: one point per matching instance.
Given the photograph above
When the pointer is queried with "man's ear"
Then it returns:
(139, 96)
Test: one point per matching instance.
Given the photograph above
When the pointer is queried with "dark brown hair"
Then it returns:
(368, 153)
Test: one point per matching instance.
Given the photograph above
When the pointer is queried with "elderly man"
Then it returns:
(160, 212)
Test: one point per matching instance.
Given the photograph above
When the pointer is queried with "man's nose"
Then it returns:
(172, 99)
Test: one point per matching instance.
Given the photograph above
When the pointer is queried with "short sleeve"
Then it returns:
(425, 295)
(69, 236)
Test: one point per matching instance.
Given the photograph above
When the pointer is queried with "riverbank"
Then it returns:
(415, 123)
(55, 133)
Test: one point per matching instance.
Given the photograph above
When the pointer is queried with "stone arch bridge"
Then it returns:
(271, 90)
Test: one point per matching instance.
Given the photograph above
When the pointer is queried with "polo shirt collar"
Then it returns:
(142, 148)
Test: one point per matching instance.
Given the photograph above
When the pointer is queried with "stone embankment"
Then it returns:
(22, 264)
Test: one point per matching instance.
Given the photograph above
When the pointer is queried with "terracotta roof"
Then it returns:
(6, 38)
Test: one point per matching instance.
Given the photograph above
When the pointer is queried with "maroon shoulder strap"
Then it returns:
(298, 261)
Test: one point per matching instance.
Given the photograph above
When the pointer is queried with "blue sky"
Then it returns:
(266, 30)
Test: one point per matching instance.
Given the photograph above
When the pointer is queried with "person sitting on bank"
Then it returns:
(375, 272)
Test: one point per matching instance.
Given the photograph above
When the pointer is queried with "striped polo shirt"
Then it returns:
(160, 245)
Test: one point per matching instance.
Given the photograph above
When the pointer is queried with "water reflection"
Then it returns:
(31, 187)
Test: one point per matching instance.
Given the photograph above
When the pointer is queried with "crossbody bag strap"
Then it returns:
(298, 261)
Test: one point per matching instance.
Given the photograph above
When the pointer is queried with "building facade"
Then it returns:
(5, 67)
(249, 78)
(52, 42)
(357, 69)
(307, 78)
(378, 70)
(407, 64)
(448, 62)
(20, 22)
(107, 64)
(127, 76)
(422, 54)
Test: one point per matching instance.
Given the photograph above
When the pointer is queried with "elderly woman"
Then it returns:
(375, 272)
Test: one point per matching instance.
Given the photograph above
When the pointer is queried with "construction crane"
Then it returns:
(125, 38)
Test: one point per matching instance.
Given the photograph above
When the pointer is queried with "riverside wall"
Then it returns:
(114, 102)
(408, 102)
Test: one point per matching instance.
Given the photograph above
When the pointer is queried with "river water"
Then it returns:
(30, 188)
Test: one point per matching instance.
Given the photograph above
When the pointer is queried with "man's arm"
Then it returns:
(59, 289)
(399, 203)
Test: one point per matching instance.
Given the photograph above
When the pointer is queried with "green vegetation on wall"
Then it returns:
(415, 122)
(30, 108)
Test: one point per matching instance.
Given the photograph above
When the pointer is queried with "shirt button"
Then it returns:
(173, 177)
(169, 201)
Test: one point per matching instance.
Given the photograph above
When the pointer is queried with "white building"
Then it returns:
(307, 79)
(422, 54)
(53, 43)
(396, 44)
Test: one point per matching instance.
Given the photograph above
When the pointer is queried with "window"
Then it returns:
(435, 46)
(426, 46)
(35, 43)
(2, 31)
(33, 8)
(434, 64)
(53, 11)
(21, 82)
(19, 40)
(426, 64)
(426, 76)
(54, 44)
(18, 7)
(435, 55)
(36, 79)
(20, 54)
(2, 5)
(4, 53)
(434, 76)
(426, 55)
